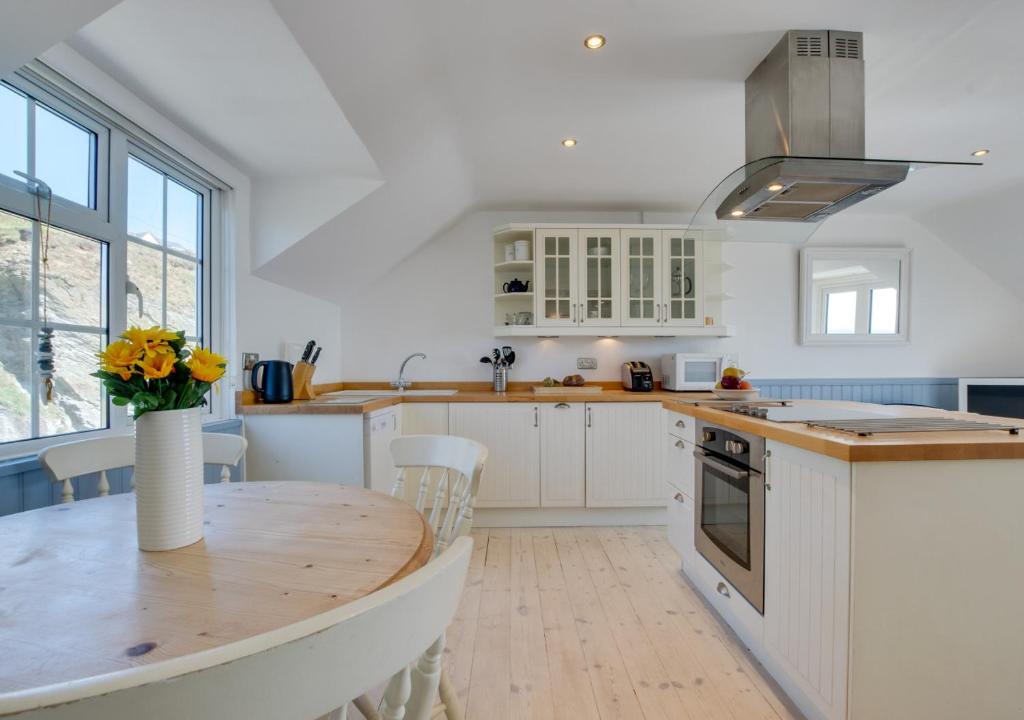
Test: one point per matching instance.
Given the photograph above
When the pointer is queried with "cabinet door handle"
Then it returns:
(659, 312)
(767, 467)
(679, 498)
(536, 416)
(590, 418)
(680, 424)
(680, 444)
(723, 589)
(582, 316)
(574, 312)
(562, 406)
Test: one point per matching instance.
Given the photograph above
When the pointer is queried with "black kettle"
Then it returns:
(277, 381)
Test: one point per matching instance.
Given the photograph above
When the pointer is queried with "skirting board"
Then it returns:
(567, 517)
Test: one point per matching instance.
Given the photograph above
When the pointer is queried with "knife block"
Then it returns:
(302, 380)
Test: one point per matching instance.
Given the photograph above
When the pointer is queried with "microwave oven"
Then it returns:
(693, 371)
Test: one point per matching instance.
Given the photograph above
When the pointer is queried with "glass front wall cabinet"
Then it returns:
(641, 281)
(556, 271)
(681, 280)
(599, 278)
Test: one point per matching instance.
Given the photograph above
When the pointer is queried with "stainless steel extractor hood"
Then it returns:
(805, 136)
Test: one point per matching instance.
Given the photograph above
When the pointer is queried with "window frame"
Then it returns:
(117, 139)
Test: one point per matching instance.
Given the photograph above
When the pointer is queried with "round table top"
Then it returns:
(79, 599)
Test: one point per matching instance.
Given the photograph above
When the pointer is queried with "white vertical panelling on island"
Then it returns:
(807, 575)
(562, 456)
(511, 432)
(624, 455)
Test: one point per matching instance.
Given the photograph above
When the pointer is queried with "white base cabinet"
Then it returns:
(379, 429)
(807, 576)
(624, 455)
(563, 470)
(511, 432)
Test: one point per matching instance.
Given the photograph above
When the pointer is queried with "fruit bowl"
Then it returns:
(745, 395)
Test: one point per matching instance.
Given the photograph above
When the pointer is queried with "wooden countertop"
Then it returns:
(80, 599)
(959, 445)
(468, 392)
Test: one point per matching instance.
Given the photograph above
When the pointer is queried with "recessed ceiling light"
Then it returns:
(569, 142)
(980, 153)
(775, 187)
(594, 42)
(737, 213)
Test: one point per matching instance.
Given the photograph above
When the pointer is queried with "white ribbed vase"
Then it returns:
(169, 479)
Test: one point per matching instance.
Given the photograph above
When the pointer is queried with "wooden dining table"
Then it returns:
(78, 599)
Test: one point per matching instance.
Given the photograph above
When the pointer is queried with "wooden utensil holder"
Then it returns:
(302, 381)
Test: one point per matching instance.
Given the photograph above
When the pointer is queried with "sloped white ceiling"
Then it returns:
(29, 27)
(461, 105)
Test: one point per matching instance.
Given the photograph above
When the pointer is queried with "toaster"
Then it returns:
(637, 376)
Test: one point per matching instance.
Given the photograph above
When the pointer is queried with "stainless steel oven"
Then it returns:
(729, 522)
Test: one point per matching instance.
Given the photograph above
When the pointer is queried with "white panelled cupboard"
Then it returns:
(624, 457)
(511, 432)
(594, 280)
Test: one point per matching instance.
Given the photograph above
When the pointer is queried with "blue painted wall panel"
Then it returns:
(26, 486)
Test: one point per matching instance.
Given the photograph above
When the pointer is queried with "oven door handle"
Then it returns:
(703, 457)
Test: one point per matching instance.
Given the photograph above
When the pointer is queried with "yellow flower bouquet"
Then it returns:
(154, 369)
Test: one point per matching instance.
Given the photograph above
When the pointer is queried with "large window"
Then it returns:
(132, 231)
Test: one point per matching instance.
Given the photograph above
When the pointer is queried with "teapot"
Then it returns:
(515, 285)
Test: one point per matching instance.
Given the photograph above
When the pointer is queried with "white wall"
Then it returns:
(438, 301)
(263, 316)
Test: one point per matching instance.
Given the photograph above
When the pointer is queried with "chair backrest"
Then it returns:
(304, 670)
(462, 463)
(98, 455)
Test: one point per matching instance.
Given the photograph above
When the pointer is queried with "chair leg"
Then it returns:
(366, 707)
(396, 696)
(426, 676)
(450, 698)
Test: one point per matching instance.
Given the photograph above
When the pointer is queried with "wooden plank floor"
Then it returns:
(595, 623)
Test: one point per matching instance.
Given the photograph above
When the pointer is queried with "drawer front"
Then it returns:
(680, 526)
(679, 464)
(682, 426)
(733, 607)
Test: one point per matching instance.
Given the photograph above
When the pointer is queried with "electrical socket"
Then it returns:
(585, 363)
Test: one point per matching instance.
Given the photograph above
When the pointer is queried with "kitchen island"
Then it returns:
(893, 564)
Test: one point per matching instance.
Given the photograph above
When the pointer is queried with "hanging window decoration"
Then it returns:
(44, 352)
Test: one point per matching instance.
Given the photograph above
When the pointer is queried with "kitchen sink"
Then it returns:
(349, 400)
(388, 393)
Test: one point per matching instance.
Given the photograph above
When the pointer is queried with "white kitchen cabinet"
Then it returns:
(662, 278)
(641, 276)
(807, 575)
(680, 526)
(379, 429)
(556, 254)
(624, 455)
(511, 432)
(679, 464)
(599, 277)
(424, 419)
(562, 455)
(679, 444)
(681, 279)
(591, 280)
(577, 277)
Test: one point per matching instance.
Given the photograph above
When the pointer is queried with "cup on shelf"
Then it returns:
(510, 252)
(522, 249)
(524, 317)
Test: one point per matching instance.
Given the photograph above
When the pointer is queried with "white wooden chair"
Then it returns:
(302, 671)
(449, 470)
(83, 457)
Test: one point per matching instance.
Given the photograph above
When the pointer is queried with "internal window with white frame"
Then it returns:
(130, 241)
